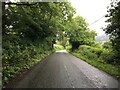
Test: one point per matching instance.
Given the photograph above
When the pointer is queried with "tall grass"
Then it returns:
(100, 58)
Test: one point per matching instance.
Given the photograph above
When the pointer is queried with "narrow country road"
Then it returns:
(63, 70)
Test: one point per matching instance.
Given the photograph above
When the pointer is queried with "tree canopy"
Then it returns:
(113, 27)
(29, 32)
(79, 34)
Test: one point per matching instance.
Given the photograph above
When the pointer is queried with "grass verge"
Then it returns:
(108, 68)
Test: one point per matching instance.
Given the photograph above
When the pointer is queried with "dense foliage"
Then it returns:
(79, 34)
(99, 57)
(29, 32)
(105, 56)
(113, 28)
(58, 47)
(93, 53)
(32, 30)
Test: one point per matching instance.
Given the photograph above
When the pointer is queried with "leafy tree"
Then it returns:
(29, 32)
(79, 34)
(113, 27)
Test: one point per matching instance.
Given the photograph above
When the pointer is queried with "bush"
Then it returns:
(97, 51)
(68, 47)
(106, 57)
(101, 58)
(89, 52)
(101, 54)
(58, 47)
(16, 57)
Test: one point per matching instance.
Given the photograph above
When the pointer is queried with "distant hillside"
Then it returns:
(102, 38)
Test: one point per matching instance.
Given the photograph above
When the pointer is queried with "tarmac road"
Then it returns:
(63, 70)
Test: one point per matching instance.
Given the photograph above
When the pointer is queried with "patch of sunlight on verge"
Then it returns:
(62, 51)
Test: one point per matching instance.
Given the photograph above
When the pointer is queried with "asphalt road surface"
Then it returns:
(63, 70)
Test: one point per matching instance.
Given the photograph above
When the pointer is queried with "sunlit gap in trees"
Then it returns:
(62, 51)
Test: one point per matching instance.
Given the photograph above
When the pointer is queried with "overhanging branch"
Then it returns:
(26, 4)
